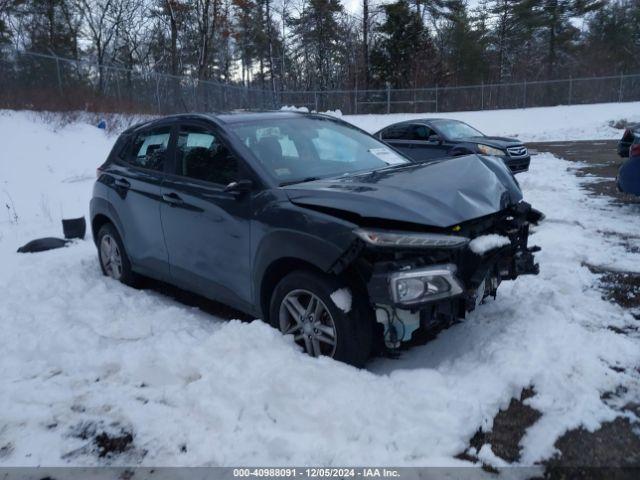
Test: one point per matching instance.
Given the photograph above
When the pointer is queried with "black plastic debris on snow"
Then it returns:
(72, 228)
(43, 244)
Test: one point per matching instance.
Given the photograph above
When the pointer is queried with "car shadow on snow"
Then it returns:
(190, 299)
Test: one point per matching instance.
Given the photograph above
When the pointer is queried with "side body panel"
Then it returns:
(208, 239)
(135, 196)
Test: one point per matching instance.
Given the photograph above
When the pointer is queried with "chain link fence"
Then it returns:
(46, 82)
(571, 91)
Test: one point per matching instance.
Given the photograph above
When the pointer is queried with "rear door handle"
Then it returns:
(172, 199)
(122, 183)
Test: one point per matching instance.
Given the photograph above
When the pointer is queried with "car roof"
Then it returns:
(224, 117)
(426, 120)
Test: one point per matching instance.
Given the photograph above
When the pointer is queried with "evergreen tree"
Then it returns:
(508, 36)
(613, 38)
(8, 9)
(318, 35)
(463, 46)
(553, 18)
(51, 26)
(403, 51)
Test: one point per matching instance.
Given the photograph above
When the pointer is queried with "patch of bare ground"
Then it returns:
(622, 288)
(509, 426)
(600, 160)
(613, 450)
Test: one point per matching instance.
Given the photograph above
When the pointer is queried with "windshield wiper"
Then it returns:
(304, 180)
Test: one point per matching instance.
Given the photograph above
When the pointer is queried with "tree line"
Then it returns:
(284, 45)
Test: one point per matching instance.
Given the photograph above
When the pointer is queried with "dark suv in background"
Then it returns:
(311, 224)
(433, 138)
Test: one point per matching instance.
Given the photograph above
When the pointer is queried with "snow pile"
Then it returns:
(47, 169)
(575, 122)
(342, 299)
(81, 353)
(334, 113)
(293, 108)
(484, 243)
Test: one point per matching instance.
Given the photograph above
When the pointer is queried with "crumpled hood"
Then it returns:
(440, 194)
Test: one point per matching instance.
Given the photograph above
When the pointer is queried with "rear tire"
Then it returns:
(113, 258)
(301, 305)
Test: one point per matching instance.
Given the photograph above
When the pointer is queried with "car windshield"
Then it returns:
(453, 129)
(304, 148)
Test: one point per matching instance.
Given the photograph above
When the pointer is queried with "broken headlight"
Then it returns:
(384, 238)
(425, 284)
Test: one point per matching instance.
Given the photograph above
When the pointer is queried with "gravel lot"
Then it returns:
(617, 443)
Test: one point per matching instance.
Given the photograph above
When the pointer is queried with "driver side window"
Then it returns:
(202, 156)
(420, 132)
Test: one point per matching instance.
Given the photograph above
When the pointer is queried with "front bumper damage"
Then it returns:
(458, 280)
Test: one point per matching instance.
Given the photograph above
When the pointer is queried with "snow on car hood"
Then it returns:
(440, 194)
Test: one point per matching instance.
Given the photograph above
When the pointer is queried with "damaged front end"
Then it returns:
(421, 280)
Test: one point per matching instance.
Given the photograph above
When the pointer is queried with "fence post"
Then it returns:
(436, 98)
(195, 96)
(315, 99)
(570, 89)
(388, 97)
(482, 96)
(158, 93)
(620, 89)
(524, 95)
(59, 76)
(355, 101)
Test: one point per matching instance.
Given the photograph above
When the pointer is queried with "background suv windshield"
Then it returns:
(453, 129)
(295, 149)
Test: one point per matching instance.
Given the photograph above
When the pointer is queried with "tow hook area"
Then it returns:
(525, 263)
(398, 324)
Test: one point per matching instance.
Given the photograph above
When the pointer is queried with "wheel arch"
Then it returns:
(102, 212)
(97, 223)
(277, 270)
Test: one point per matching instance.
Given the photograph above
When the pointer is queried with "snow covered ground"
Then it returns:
(575, 122)
(81, 354)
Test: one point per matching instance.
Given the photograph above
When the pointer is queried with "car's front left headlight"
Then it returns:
(385, 238)
(436, 282)
(487, 150)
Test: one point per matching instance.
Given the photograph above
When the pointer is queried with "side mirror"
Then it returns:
(239, 187)
(434, 138)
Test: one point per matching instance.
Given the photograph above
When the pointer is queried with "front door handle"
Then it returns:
(122, 183)
(172, 199)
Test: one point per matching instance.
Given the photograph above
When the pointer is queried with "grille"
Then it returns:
(517, 151)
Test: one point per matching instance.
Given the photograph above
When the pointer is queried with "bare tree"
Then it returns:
(102, 19)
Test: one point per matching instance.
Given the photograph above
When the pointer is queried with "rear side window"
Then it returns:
(397, 132)
(149, 149)
(201, 155)
(411, 131)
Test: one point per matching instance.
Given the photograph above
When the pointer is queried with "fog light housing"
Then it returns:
(410, 287)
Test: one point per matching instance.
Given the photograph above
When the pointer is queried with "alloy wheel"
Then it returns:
(308, 319)
(111, 257)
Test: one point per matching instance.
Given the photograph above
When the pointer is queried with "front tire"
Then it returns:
(113, 258)
(301, 305)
